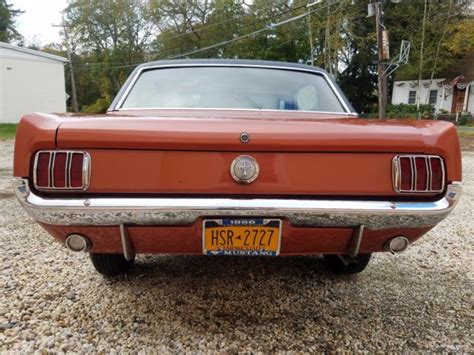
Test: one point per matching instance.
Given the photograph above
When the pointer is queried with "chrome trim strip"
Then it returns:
(396, 174)
(428, 174)
(68, 167)
(50, 165)
(86, 170)
(233, 109)
(184, 211)
(51, 169)
(139, 71)
(414, 173)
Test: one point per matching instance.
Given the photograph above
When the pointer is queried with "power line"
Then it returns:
(245, 26)
(119, 66)
(223, 43)
(200, 29)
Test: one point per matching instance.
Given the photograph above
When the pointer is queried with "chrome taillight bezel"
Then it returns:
(86, 171)
(397, 177)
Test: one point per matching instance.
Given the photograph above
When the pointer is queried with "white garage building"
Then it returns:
(30, 81)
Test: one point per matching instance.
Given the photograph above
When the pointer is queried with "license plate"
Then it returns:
(256, 237)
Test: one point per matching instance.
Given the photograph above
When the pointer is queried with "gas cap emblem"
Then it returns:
(244, 137)
(244, 169)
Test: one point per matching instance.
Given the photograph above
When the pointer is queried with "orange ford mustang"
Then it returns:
(221, 157)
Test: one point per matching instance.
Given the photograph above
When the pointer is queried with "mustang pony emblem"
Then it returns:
(244, 169)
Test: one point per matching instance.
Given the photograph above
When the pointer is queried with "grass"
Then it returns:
(466, 130)
(7, 131)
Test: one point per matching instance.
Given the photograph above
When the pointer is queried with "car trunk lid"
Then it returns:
(216, 130)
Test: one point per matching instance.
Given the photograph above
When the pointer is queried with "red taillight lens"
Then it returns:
(76, 169)
(437, 174)
(418, 173)
(406, 173)
(421, 174)
(61, 170)
(42, 169)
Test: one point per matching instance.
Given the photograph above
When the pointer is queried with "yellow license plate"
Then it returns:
(259, 237)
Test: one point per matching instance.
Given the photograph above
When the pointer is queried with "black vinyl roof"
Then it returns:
(249, 62)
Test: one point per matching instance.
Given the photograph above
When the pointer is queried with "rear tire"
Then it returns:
(111, 264)
(334, 264)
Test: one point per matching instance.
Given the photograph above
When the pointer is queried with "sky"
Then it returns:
(35, 23)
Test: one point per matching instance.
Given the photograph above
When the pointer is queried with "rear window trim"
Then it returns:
(131, 84)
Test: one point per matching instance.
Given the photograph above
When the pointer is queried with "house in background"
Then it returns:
(30, 81)
(452, 91)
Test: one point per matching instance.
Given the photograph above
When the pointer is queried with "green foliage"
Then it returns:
(100, 106)
(409, 111)
(113, 37)
(465, 119)
(8, 31)
(405, 20)
(109, 38)
(7, 130)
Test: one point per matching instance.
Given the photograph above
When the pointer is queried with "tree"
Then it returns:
(404, 21)
(358, 78)
(8, 31)
(112, 36)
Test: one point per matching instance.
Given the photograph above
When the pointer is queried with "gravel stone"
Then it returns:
(52, 300)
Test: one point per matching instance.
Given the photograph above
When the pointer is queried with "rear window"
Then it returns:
(232, 88)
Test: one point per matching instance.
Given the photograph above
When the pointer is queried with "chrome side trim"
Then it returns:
(184, 211)
(233, 109)
(139, 71)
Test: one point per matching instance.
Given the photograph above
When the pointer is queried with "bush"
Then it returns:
(409, 111)
(465, 119)
(100, 106)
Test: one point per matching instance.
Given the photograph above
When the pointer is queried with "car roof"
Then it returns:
(249, 62)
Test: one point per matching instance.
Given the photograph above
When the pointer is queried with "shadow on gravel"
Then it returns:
(220, 294)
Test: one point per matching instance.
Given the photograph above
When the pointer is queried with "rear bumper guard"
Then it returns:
(185, 211)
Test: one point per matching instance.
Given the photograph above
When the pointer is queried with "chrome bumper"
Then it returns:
(185, 211)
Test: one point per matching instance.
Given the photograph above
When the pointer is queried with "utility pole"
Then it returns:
(382, 55)
(75, 106)
(310, 37)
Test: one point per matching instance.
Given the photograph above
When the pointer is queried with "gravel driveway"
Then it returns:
(53, 299)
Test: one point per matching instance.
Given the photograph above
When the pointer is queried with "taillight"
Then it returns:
(77, 163)
(437, 173)
(421, 167)
(42, 167)
(61, 170)
(406, 176)
(418, 173)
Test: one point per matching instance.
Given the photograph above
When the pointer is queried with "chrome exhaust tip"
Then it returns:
(397, 244)
(77, 242)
